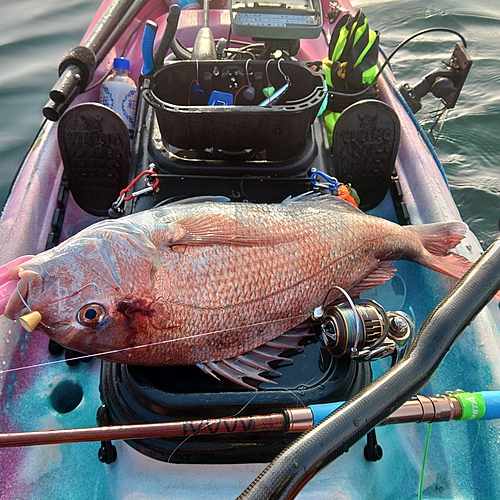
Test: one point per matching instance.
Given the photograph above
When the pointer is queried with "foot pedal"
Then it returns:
(95, 150)
(364, 148)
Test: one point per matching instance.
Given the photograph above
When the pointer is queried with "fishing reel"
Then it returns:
(363, 330)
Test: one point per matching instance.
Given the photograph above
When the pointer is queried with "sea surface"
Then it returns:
(35, 34)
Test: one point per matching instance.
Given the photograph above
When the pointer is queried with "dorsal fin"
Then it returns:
(234, 224)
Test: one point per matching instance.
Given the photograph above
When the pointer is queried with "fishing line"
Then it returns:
(152, 344)
(204, 427)
(20, 295)
(319, 311)
(254, 396)
(424, 460)
(477, 436)
(51, 302)
(65, 297)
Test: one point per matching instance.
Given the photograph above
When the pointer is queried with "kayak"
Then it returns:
(246, 103)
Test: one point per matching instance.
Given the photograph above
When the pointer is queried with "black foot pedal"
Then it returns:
(95, 149)
(364, 148)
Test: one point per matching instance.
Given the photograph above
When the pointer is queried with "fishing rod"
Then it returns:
(456, 405)
(77, 67)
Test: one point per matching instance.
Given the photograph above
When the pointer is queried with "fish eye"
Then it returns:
(91, 315)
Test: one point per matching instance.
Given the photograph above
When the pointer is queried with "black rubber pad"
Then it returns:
(95, 149)
(364, 148)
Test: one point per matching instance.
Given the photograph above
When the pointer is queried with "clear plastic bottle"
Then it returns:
(119, 92)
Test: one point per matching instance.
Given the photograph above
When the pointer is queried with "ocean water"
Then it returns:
(35, 34)
(468, 142)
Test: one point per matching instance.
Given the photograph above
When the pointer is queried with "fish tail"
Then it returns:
(452, 264)
(438, 239)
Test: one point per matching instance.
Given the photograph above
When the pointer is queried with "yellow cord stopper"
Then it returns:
(30, 321)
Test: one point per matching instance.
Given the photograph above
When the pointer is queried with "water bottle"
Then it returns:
(119, 92)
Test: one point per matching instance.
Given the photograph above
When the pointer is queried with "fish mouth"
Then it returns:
(18, 303)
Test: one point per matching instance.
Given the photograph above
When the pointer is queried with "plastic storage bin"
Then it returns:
(180, 93)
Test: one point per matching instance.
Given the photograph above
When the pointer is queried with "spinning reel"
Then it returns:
(363, 330)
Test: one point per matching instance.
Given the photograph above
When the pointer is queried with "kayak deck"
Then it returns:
(51, 394)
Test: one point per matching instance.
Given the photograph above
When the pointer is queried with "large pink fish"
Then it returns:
(208, 281)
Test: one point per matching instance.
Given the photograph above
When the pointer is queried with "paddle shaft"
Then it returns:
(105, 43)
(103, 28)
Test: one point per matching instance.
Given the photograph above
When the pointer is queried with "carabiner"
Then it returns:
(123, 193)
(332, 183)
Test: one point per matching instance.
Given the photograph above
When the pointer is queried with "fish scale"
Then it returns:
(264, 283)
(210, 281)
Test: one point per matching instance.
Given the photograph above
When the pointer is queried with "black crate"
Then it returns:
(186, 121)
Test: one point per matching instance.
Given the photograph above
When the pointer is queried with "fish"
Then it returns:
(197, 283)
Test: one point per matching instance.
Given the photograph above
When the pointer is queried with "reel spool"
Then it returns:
(351, 331)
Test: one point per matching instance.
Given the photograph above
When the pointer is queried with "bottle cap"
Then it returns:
(121, 63)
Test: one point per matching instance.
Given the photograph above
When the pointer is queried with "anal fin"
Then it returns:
(254, 363)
